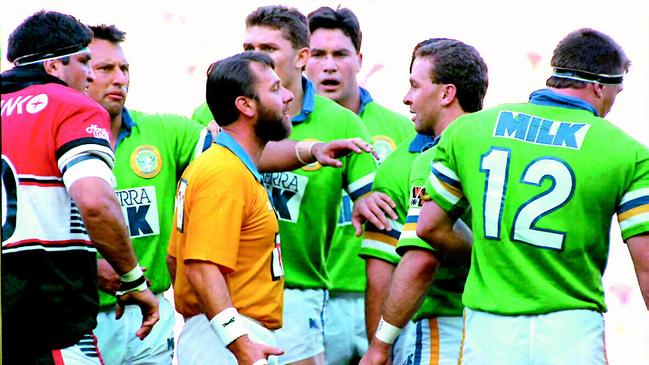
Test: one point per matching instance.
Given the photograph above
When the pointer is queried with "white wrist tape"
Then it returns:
(386, 332)
(133, 280)
(261, 362)
(228, 325)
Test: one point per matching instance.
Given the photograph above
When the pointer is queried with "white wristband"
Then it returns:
(228, 326)
(303, 146)
(386, 332)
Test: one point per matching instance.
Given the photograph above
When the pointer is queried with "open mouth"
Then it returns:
(329, 84)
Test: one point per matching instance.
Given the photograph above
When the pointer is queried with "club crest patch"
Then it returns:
(146, 161)
(383, 145)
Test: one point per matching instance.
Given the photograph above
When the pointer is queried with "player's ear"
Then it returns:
(53, 67)
(598, 89)
(450, 91)
(246, 106)
(302, 56)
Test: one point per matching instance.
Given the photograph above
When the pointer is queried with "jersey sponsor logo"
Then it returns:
(140, 209)
(98, 132)
(29, 103)
(146, 161)
(531, 129)
(287, 190)
(383, 145)
(416, 196)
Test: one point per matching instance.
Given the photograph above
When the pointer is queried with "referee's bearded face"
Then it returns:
(274, 119)
(111, 69)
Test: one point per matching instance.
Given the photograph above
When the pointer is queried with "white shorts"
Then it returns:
(565, 337)
(84, 352)
(302, 335)
(432, 341)
(198, 344)
(119, 344)
(397, 353)
(345, 336)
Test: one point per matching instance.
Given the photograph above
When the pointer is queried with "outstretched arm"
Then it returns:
(283, 155)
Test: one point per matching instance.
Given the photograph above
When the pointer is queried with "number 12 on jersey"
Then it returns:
(495, 164)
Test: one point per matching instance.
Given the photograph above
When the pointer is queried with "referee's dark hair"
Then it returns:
(229, 79)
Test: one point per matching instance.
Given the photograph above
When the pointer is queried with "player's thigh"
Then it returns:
(302, 334)
(338, 330)
(84, 352)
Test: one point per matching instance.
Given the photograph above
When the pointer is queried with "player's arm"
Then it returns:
(411, 280)
(287, 155)
(446, 234)
(171, 267)
(208, 283)
(639, 249)
(379, 275)
(103, 219)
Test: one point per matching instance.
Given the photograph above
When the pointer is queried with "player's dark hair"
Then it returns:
(47, 32)
(229, 79)
(343, 19)
(290, 21)
(454, 62)
(587, 50)
(108, 33)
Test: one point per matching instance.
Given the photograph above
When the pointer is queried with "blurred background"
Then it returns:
(171, 43)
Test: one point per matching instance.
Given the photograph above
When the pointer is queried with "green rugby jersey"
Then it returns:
(152, 152)
(543, 179)
(202, 114)
(444, 298)
(308, 199)
(388, 129)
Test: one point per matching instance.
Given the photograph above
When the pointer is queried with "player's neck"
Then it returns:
(352, 102)
(448, 117)
(298, 96)
(247, 139)
(115, 127)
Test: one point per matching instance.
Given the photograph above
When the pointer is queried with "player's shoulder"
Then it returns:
(332, 110)
(376, 108)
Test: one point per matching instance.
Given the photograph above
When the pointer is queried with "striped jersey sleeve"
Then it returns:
(633, 213)
(443, 184)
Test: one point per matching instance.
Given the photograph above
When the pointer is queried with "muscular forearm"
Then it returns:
(639, 249)
(411, 281)
(103, 219)
(210, 287)
(279, 156)
(379, 276)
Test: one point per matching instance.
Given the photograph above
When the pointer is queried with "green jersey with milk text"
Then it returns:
(543, 180)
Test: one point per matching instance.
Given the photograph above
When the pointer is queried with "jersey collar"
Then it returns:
(366, 98)
(224, 139)
(308, 101)
(127, 126)
(422, 142)
(547, 97)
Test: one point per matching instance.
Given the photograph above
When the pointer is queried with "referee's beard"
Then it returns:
(272, 125)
